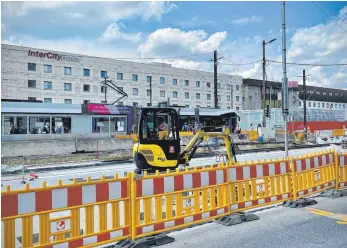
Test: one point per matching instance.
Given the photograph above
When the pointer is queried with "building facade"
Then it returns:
(57, 77)
(316, 97)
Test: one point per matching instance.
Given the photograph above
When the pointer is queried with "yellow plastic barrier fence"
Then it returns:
(180, 199)
(342, 170)
(112, 209)
(338, 132)
(313, 173)
(258, 184)
(59, 212)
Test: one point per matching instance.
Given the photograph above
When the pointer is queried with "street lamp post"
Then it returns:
(264, 86)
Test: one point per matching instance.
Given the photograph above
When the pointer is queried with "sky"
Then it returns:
(170, 32)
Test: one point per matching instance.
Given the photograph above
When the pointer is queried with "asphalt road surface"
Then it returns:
(277, 227)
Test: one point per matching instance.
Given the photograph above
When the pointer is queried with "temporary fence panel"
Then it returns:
(341, 170)
(59, 212)
(313, 173)
(258, 184)
(178, 199)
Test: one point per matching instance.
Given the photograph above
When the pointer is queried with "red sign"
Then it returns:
(292, 84)
(61, 225)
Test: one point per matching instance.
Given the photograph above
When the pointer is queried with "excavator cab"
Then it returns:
(158, 146)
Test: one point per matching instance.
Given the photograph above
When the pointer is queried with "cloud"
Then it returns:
(246, 20)
(22, 8)
(74, 15)
(113, 33)
(164, 40)
(195, 22)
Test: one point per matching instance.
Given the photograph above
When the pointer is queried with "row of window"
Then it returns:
(135, 77)
(324, 105)
(323, 93)
(186, 95)
(86, 88)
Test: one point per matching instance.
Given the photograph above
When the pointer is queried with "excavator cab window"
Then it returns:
(159, 126)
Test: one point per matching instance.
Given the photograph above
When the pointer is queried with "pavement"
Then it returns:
(277, 227)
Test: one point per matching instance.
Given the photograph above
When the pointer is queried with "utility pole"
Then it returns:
(150, 91)
(305, 114)
(105, 89)
(285, 110)
(264, 86)
(215, 79)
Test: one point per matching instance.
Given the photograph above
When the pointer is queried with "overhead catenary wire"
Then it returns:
(307, 64)
(321, 9)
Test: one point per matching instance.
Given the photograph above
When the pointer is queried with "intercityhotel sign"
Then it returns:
(55, 56)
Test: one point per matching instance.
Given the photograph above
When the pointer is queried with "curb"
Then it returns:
(74, 166)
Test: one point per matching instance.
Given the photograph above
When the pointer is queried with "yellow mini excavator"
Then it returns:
(157, 146)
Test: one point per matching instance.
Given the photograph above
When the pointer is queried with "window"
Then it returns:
(31, 67)
(135, 91)
(218, 85)
(208, 84)
(47, 100)
(228, 87)
(335, 105)
(119, 76)
(14, 125)
(32, 98)
(68, 101)
(86, 88)
(47, 85)
(162, 80)
(47, 68)
(86, 101)
(198, 106)
(86, 72)
(103, 89)
(103, 74)
(314, 104)
(149, 79)
(31, 83)
(208, 106)
(330, 94)
(100, 124)
(228, 98)
(174, 94)
(162, 93)
(61, 124)
(174, 81)
(343, 106)
(67, 86)
(323, 105)
(317, 92)
(186, 95)
(135, 77)
(198, 96)
(319, 105)
(187, 106)
(299, 103)
(309, 104)
(237, 87)
(208, 96)
(336, 94)
(218, 97)
(39, 125)
(324, 93)
(118, 124)
(67, 70)
(237, 98)
(186, 82)
(197, 84)
(237, 108)
(135, 104)
(339, 106)
(148, 92)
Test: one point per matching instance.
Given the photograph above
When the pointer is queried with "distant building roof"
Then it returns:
(259, 83)
(314, 93)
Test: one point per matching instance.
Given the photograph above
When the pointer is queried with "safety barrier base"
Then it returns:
(300, 203)
(236, 218)
(145, 242)
(334, 193)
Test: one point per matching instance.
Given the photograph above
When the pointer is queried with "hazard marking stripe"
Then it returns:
(43, 201)
(7, 205)
(158, 184)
